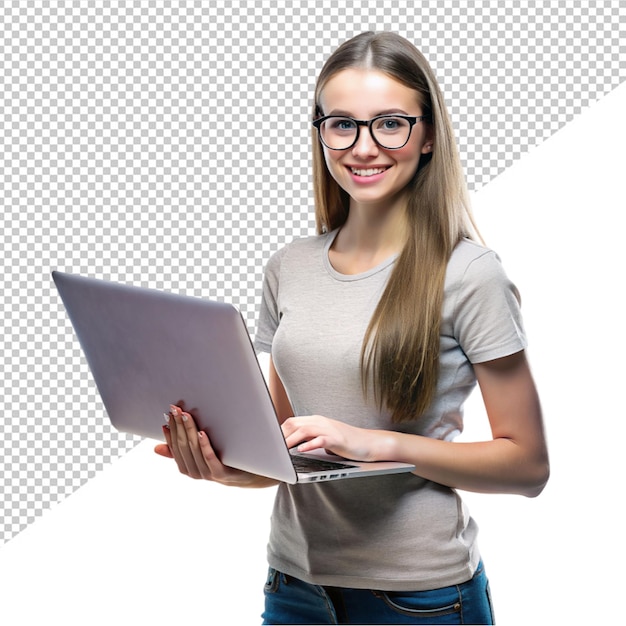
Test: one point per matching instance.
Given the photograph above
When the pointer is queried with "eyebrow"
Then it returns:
(385, 112)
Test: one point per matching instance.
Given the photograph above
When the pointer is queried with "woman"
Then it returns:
(379, 327)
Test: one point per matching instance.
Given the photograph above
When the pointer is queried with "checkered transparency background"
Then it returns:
(166, 144)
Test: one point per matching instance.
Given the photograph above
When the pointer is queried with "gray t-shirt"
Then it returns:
(392, 533)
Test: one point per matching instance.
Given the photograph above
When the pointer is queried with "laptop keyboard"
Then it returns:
(308, 464)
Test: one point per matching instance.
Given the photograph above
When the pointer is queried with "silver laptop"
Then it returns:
(148, 349)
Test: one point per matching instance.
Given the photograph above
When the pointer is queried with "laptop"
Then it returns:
(148, 349)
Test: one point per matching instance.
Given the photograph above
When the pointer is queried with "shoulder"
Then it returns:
(477, 282)
(468, 253)
(298, 251)
(481, 304)
(471, 263)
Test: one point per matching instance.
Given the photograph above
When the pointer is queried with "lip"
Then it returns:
(364, 180)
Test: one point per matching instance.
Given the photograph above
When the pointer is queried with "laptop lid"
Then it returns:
(148, 349)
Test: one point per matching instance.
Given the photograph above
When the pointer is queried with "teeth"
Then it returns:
(368, 172)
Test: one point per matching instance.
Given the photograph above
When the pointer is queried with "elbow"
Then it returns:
(537, 480)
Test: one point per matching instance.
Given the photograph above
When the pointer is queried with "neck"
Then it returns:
(369, 237)
(370, 228)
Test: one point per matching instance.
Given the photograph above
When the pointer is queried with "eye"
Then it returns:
(390, 124)
(341, 124)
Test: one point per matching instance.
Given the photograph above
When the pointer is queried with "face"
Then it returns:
(372, 175)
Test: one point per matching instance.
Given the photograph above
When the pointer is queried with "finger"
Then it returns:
(172, 441)
(215, 469)
(193, 439)
(294, 425)
(163, 449)
(299, 433)
(313, 444)
(288, 426)
(184, 425)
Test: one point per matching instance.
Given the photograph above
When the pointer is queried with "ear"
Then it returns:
(427, 148)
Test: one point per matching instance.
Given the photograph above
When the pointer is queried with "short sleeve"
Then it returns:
(487, 319)
(269, 315)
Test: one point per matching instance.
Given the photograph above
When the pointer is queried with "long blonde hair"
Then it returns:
(400, 352)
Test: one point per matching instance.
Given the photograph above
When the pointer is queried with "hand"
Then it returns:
(314, 431)
(195, 457)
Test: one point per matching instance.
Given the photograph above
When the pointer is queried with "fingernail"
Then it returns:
(173, 409)
(167, 417)
(184, 416)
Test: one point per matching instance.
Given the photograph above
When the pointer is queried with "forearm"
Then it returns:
(497, 466)
(255, 482)
(514, 461)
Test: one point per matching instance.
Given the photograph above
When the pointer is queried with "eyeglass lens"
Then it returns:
(340, 133)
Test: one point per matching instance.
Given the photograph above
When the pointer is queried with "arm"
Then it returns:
(279, 395)
(514, 461)
(194, 456)
(192, 449)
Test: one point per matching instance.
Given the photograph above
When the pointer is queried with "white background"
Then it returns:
(139, 544)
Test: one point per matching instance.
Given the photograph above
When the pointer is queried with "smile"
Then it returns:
(372, 171)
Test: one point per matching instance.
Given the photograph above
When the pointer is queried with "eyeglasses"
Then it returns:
(390, 132)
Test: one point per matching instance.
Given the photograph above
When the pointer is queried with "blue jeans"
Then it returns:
(289, 600)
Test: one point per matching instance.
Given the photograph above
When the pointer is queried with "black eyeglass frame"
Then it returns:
(411, 119)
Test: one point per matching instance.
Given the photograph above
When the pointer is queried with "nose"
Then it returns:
(365, 145)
